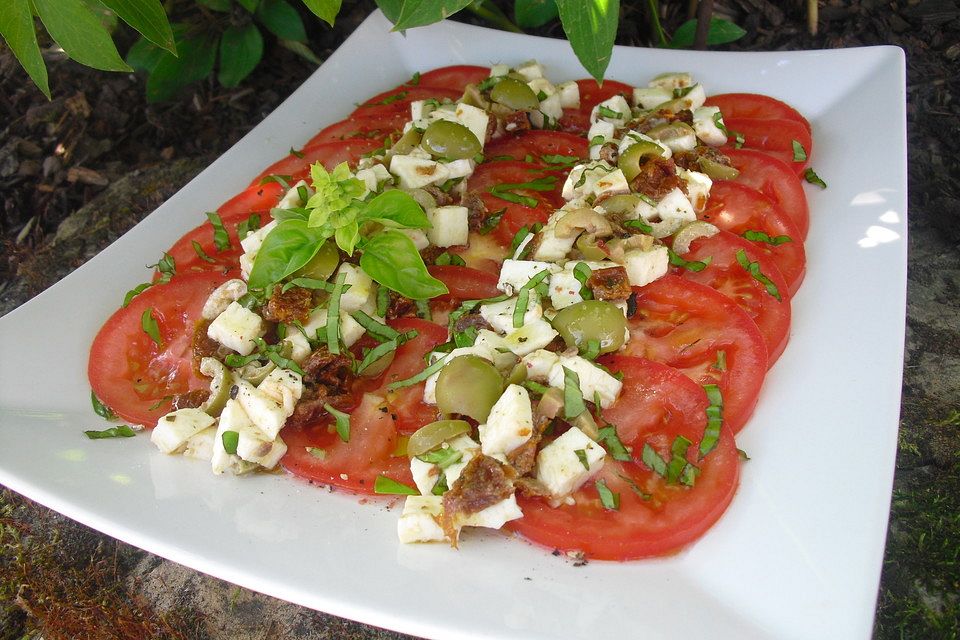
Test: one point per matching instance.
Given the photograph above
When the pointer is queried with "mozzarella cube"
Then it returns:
(651, 97)
(549, 113)
(612, 183)
(361, 288)
(615, 110)
(236, 328)
(643, 267)
(514, 274)
(474, 119)
(292, 197)
(426, 474)
(200, 446)
(251, 244)
(498, 347)
(509, 424)
(450, 226)
(350, 329)
(530, 70)
(706, 127)
(530, 337)
(414, 172)
(264, 411)
(374, 176)
(569, 95)
(498, 70)
(300, 348)
(177, 427)
(496, 515)
(254, 447)
(561, 469)
(539, 363)
(284, 386)
(550, 247)
(232, 418)
(420, 520)
(600, 133)
(499, 315)
(676, 206)
(543, 85)
(461, 168)
(693, 99)
(671, 81)
(417, 110)
(418, 236)
(593, 379)
(698, 187)
(596, 179)
(222, 296)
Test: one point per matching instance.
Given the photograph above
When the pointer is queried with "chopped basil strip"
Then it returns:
(342, 421)
(230, 440)
(423, 309)
(248, 226)
(573, 404)
(446, 258)
(333, 315)
(760, 236)
(295, 152)
(441, 487)
(469, 305)
(167, 267)
(691, 265)
(198, 249)
(799, 153)
(607, 112)
(739, 139)
(388, 100)
(515, 198)
(582, 273)
(536, 387)
(283, 181)
(133, 293)
(721, 363)
(320, 454)
(221, 239)
(419, 377)
(591, 350)
(678, 459)
(149, 325)
(313, 283)
(388, 486)
(607, 436)
(595, 140)
(101, 409)
(711, 434)
(560, 160)
(235, 361)
(681, 92)
(442, 457)
(119, 431)
(743, 455)
(753, 268)
(374, 327)
(811, 176)
(491, 221)
(582, 457)
(638, 224)
(414, 79)
(523, 297)
(505, 191)
(467, 337)
(518, 239)
(383, 301)
(653, 460)
(609, 499)
(634, 487)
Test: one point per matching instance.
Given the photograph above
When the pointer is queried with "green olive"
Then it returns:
(322, 264)
(635, 155)
(590, 320)
(407, 143)
(679, 136)
(624, 204)
(452, 140)
(430, 436)
(220, 384)
(518, 374)
(587, 244)
(470, 386)
(717, 170)
(514, 94)
(379, 365)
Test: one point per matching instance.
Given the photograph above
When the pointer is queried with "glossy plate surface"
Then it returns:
(798, 554)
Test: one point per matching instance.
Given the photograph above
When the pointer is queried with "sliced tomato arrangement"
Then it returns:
(137, 376)
(539, 147)
(453, 78)
(591, 94)
(398, 100)
(774, 178)
(372, 127)
(654, 518)
(754, 105)
(775, 137)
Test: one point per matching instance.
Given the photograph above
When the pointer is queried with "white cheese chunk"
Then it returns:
(509, 424)
(498, 347)
(254, 447)
(292, 197)
(549, 113)
(706, 127)
(232, 418)
(672, 81)
(593, 379)
(450, 226)
(300, 348)
(284, 386)
(264, 411)
(530, 70)
(374, 176)
(693, 99)
(569, 95)
(426, 474)
(177, 427)
(539, 364)
(236, 328)
(498, 70)
(601, 132)
(542, 85)
(418, 236)
(420, 520)
(474, 119)
(499, 315)
(251, 247)
(651, 97)
(514, 274)
(221, 297)
(594, 179)
(615, 110)
(496, 515)
(530, 337)
(462, 168)
(698, 187)
(200, 445)
(350, 329)
(560, 468)
(643, 267)
(361, 288)
(676, 206)
(414, 172)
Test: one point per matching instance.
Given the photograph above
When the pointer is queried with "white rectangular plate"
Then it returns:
(798, 554)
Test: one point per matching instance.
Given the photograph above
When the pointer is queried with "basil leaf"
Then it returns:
(198, 249)
(638, 224)
(523, 297)
(582, 273)
(419, 13)
(80, 33)
(419, 377)
(491, 221)
(753, 268)
(342, 421)
(220, 236)
(374, 327)
(760, 236)
(443, 458)
(248, 226)
(609, 499)
(119, 431)
(711, 433)
(607, 436)
(101, 409)
(652, 459)
(230, 440)
(133, 293)
(573, 404)
(799, 153)
(289, 246)
(591, 27)
(397, 207)
(20, 34)
(388, 486)
(811, 176)
(149, 325)
(393, 261)
(677, 261)
(320, 454)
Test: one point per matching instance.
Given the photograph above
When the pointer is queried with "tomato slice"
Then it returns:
(317, 453)
(775, 178)
(658, 404)
(330, 154)
(465, 283)
(398, 100)
(754, 105)
(188, 260)
(685, 324)
(257, 197)
(406, 403)
(592, 94)
(736, 208)
(132, 374)
(372, 127)
(775, 137)
(538, 144)
(726, 275)
(516, 215)
(453, 78)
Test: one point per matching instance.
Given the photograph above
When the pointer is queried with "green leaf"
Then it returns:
(720, 32)
(197, 56)
(342, 420)
(101, 409)
(573, 404)
(419, 13)
(591, 27)
(216, 5)
(326, 10)
(120, 431)
(241, 49)
(397, 207)
(388, 486)
(144, 56)
(289, 246)
(811, 176)
(392, 260)
(16, 27)
(282, 20)
(609, 499)
(534, 13)
(149, 325)
(249, 5)
(391, 8)
(78, 30)
(147, 17)
(301, 50)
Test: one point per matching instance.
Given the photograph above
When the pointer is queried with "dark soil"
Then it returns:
(57, 156)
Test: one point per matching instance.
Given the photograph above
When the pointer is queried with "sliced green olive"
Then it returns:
(446, 139)
(624, 204)
(430, 436)
(518, 374)
(587, 245)
(220, 384)
(407, 143)
(717, 170)
(379, 365)
(322, 265)
(635, 155)
(514, 94)
(589, 320)
(470, 386)
(679, 136)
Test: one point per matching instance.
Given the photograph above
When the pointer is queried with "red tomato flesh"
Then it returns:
(465, 283)
(753, 105)
(774, 137)
(538, 144)
(372, 127)
(775, 178)
(330, 154)
(452, 78)
(592, 94)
